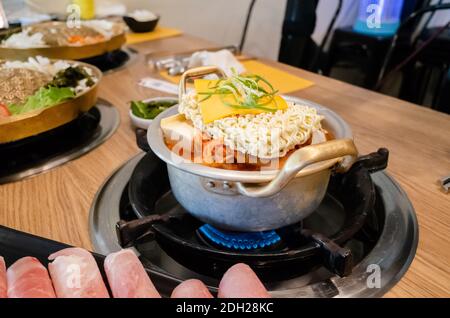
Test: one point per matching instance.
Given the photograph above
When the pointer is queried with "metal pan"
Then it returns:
(18, 127)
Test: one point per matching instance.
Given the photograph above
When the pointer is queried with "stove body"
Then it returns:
(37, 154)
(40, 153)
(113, 61)
(365, 234)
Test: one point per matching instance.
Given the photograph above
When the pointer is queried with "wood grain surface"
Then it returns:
(56, 204)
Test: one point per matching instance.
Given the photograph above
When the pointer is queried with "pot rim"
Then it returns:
(155, 139)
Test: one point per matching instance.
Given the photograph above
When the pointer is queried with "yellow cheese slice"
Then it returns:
(213, 108)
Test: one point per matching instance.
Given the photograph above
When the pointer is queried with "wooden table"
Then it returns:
(56, 204)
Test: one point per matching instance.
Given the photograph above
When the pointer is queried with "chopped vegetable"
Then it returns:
(243, 92)
(70, 77)
(151, 109)
(75, 39)
(43, 98)
(4, 111)
(81, 40)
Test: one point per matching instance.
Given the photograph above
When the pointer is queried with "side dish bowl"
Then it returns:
(141, 121)
(141, 26)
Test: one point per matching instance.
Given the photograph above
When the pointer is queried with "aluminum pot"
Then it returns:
(254, 201)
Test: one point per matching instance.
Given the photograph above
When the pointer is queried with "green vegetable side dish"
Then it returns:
(149, 110)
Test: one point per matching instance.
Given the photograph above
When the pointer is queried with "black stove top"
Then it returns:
(44, 151)
(365, 220)
(336, 240)
(23, 154)
(111, 60)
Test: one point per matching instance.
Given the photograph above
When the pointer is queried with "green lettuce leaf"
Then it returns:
(43, 98)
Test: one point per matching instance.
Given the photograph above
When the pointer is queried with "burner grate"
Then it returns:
(239, 241)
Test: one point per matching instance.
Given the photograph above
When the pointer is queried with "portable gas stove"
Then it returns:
(365, 224)
(113, 61)
(40, 153)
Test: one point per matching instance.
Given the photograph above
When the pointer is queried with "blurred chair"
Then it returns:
(350, 49)
(425, 70)
(429, 71)
(297, 48)
(443, 97)
(366, 52)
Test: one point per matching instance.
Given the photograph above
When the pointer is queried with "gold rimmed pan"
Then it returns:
(21, 126)
(68, 52)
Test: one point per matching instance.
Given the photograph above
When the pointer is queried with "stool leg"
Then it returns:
(330, 59)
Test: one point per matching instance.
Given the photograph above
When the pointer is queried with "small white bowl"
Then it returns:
(145, 123)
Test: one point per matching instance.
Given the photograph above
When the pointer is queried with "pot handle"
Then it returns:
(342, 149)
(197, 72)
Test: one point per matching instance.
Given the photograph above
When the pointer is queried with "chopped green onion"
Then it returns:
(245, 90)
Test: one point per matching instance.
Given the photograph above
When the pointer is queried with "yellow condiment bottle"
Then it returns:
(87, 8)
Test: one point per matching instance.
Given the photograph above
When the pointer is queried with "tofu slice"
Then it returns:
(177, 127)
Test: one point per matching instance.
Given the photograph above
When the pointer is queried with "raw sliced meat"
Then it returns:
(75, 274)
(28, 278)
(127, 277)
(192, 288)
(240, 281)
(2, 278)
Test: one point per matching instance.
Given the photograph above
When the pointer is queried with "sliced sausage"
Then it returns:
(192, 288)
(240, 281)
(28, 278)
(127, 277)
(3, 288)
(75, 274)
